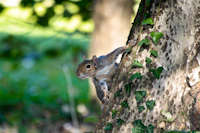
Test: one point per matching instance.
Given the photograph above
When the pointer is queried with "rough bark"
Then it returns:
(178, 89)
(112, 24)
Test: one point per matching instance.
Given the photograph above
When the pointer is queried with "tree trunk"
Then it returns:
(112, 20)
(177, 90)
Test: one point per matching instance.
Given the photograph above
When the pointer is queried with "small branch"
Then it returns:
(70, 90)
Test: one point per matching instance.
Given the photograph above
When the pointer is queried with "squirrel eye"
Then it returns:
(88, 66)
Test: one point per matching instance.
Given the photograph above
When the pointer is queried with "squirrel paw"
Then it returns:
(106, 97)
(102, 107)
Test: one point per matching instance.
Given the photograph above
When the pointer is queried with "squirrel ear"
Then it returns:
(84, 57)
(94, 59)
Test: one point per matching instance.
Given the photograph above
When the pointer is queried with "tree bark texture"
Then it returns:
(112, 20)
(177, 91)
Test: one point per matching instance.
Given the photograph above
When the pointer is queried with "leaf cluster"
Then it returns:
(139, 127)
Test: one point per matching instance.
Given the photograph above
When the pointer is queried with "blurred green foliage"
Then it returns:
(63, 15)
(31, 76)
(37, 39)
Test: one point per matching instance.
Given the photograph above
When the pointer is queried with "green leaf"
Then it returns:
(124, 104)
(137, 63)
(148, 60)
(150, 128)
(150, 104)
(148, 3)
(138, 130)
(141, 108)
(147, 21)
(144, 41)
(91, 119)
(139, 95)
(114, 112)
(120, 121)
(108, 126)
(141, 8)
(136, 75)
(138, 127)
(168, 116)
(182, 113)
(154, 53)
(160, 69)
(138, 123)
(157, 72)
(117, 93)
(147, 15)
(128, 88)
(156, 36)
(136, 22)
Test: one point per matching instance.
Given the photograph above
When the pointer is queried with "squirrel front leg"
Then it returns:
(104, 87)
(99, 91)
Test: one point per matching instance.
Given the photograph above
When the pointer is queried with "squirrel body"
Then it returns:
(101, 70)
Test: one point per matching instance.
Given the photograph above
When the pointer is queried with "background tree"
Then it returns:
(112, 24)
(158, 84)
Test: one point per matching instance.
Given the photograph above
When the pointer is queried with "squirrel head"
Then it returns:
(87, 68)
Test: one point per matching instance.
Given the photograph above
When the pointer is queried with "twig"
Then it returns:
(71, 98)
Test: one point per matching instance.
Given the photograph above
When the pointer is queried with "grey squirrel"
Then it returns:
(101, 70)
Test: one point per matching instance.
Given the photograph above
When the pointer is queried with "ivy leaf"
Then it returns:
(136, 21)
(139, 95)
(182, 113)
(124, 104)
(120, 121)
(150, 128)
(91, 119)
(138, 123)
(108, 126)
(139, 127)
(148, 3)
(148, 21)
(137, 63)
(114, 112)
(168, 116)
(150, 104)
(147, 15)
(156, 36)
(154, 53)
(128, 88)
(148, 60)
(141, 8)
(160, 69)
(136, 75)
(117, 93)
(157, 72)
(141, 108)
(144, 41)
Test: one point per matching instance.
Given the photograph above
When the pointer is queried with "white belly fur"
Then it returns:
(105, 71)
